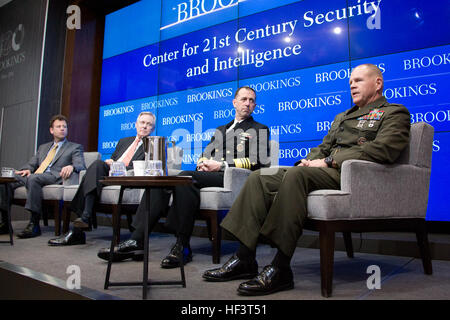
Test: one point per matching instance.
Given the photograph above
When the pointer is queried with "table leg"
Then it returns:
(111, 249)
(183, 278)
(9, 196)
(10, 226)
(145, 273)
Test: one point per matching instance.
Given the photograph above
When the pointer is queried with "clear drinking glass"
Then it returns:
(153, 168)
(7, 172)
(117, 169)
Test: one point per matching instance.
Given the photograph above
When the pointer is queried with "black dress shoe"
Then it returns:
(4, 229)
(270, 280)
(172, 259)
(124, 250)
(31, 230)
(71, 238)
(232, 269)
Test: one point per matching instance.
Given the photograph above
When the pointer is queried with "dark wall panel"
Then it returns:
(22, 25)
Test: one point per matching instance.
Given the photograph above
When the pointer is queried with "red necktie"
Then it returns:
(130, 152)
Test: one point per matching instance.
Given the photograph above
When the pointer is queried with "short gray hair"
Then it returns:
(148, 113)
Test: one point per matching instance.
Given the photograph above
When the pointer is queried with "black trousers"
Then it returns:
(90, 182)
(185, 205)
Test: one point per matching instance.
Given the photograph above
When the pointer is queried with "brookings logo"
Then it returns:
(192, 9)
(10, 48)
(11, 40)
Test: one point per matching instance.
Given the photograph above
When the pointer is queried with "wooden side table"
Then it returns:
(5, 181)
(147, 183)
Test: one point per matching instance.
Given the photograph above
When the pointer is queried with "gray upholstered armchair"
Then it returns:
(52, 196)
(375, 197)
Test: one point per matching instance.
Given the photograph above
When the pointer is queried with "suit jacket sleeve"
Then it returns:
(323, 150)
(78, 158)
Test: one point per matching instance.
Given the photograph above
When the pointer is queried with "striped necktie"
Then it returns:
(47, 160)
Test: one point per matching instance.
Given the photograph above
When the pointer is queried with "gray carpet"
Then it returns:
(401, 277)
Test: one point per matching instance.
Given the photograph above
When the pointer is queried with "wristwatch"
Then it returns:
(223, 166)
(329, 161)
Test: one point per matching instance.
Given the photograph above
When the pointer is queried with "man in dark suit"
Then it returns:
(127, 150)
(53, 162)
(274, 205)
(238, 143)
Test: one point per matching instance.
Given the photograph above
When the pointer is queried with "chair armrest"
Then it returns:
(82, 173)
(73, 179)
(234, 179)
(173, 172)
(364, 179)
(391, 178)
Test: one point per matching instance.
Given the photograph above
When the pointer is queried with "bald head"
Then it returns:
(373, 69)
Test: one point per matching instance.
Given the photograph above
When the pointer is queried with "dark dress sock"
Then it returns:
(184, 240)
(245, 254)
(35, 217)
(281, 260)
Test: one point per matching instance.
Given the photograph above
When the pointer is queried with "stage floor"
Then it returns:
(401, 277)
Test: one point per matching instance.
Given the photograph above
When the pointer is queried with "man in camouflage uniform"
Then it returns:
(274, 206)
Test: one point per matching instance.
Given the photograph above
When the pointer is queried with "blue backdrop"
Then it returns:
(183, 60)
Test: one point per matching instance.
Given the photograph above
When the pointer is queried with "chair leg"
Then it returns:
(424, 247)
(208, 226)
(116, 223)
(217, 243)
(348, 244)
(130, 221)
(94, 219)
(215, 232)
(45, 217)
(216, 237)
(65, 217)
(326, 239)
(57, 208)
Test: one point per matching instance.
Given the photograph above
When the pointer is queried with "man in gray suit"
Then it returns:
(53, 162)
